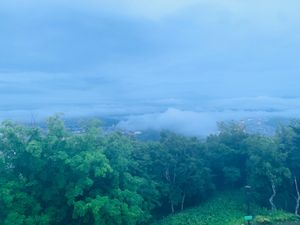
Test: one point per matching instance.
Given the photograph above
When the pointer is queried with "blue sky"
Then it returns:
(173, 62)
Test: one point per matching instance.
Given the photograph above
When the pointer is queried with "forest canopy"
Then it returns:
(53, 176)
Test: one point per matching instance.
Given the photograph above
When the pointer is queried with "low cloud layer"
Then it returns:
(201, 123)
(163, 61)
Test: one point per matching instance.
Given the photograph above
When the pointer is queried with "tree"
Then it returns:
(267, 167)
(176, 165)
(227, 155)
(57, 177)
(289, 140)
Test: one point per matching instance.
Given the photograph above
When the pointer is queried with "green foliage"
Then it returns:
(225, 209)
(55, 177)
(65, 178)
(268, 218)
(263, 220)
(228, 156)
(232, 175)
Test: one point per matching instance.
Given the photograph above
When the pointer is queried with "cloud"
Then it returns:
(173, 62)
(171, 102)
(183, 122)
(202, 123)
(79, 36)
(259, 103)
(134, 94)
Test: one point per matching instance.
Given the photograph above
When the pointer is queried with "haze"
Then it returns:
(156, 64)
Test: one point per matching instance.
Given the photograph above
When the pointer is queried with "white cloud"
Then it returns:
(193, 65)
(201, 123)
(183, 122)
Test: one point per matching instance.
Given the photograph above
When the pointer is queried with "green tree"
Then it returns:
(227, 155)
(177, 166)
(267, 167)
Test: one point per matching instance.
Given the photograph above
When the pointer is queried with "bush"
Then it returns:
(225, 209)
(262, 220)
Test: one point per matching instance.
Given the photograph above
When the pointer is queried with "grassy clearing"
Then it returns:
(225, 209)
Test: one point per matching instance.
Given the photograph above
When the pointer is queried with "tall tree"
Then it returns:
(267, 167)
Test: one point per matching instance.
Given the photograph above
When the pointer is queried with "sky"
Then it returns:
(180, 65)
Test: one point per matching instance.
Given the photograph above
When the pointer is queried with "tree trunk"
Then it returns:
(167, 174)
(174, 174)
(182, 201)
(271, 199)
(172, 207)
(298, 197)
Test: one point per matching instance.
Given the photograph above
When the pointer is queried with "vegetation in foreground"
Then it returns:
(227, 209)
(56, 177)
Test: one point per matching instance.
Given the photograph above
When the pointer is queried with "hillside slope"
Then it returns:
(225, 209)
